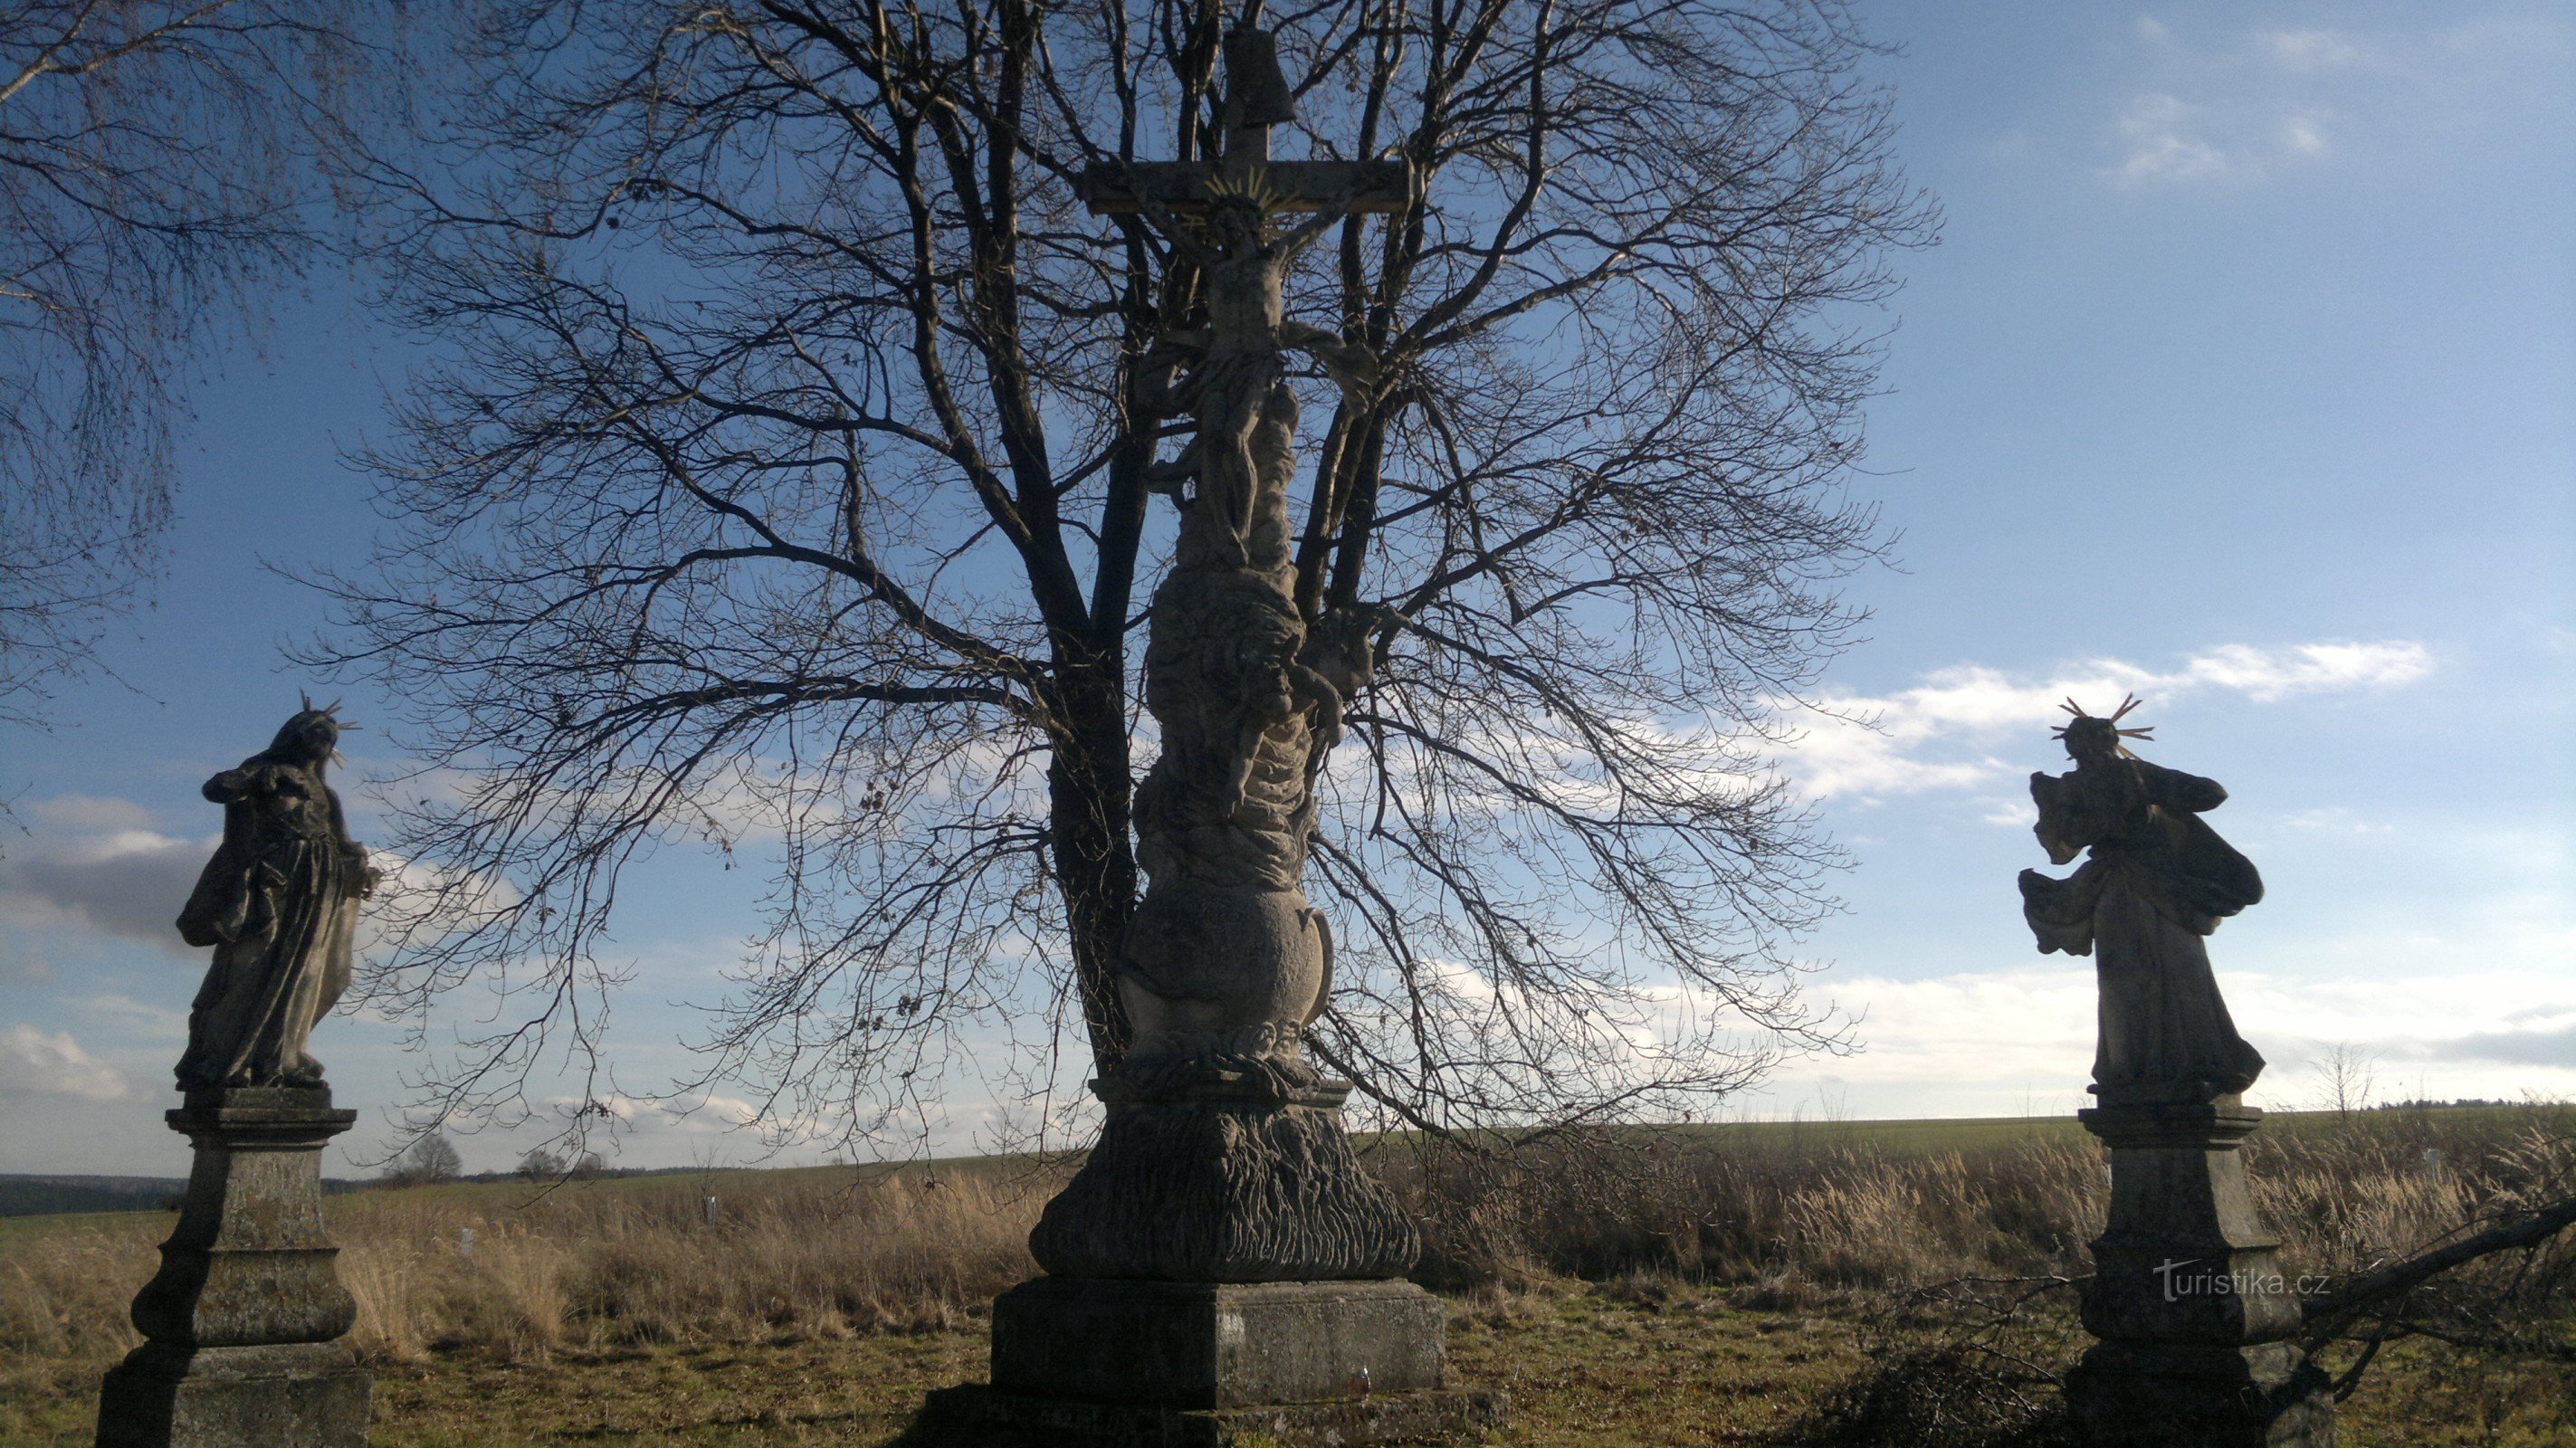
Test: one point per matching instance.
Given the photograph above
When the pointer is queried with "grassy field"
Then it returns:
(1721, 1285)
(1587, 1366)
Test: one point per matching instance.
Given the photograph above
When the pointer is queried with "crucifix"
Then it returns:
(1222, 1205)
(1217, 216)
(1256, 99)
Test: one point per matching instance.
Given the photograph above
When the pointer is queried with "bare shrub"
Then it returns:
(1973, 1363)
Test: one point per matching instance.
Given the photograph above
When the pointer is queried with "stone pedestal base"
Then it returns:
(287, 1395)
(2154, 1395)
(2188, 1294)
(242, 1321)
(1094, 1361)
(1216, 1345)
(2184, 1259)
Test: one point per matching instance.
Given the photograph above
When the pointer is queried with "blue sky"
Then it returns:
(2244, 378)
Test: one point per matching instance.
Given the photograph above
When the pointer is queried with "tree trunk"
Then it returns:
(1089, 788)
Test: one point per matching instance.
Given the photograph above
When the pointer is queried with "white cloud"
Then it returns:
(2216, 107)
(1928, 737)
(2305, 52)
(135, 1019)
(89, 814)
(35, 1063)
(2162, 143)
(2304, 134)
(1987, 1042)
(2268, 674)
(2232, 112)
(97, 864)
(704, 1115)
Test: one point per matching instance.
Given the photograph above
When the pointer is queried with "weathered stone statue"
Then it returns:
(2188, 1296)
(242, 1324)
(2159, 880)
(1222, 1264)
(279, 903)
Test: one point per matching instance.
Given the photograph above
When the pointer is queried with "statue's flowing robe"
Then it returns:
(279, 903)
(2158, 881)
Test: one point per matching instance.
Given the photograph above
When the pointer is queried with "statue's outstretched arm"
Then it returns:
(1351, 364)
(1168, 224)
(1331, 214)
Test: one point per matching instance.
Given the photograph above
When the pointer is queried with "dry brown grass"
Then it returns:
(592, 1264)
(1814, 1225)
(1824, 1215)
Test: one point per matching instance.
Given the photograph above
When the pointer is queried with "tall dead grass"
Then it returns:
(1785, 1220)
(520, 1274)
(1832, 1214)
(1799, 1220)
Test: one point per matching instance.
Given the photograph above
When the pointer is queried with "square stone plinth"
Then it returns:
(1215, 1344)
(2159, 1395)
(294, 1395)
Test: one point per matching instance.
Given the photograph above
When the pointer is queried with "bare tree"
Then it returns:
(2346, 1077)
(432, 1158)
(792, 484)
(155, 176)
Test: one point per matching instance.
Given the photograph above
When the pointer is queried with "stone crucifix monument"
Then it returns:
(2189, 1298)
(244, 1320)
(1222, 1265)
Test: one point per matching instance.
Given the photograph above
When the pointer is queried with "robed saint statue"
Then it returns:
(279, 903)
(2159, 881)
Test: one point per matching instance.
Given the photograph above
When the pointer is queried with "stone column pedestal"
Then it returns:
(1221, 1270)
(2189, 1296)
(243, 1320)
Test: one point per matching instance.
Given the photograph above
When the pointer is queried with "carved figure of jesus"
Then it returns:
(1225, 960)
(1236, 386)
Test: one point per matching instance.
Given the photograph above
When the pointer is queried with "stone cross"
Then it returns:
(1222, 1265)
(1257, 98)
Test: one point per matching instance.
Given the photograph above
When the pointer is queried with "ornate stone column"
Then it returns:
(1222, 1267)
(244, 1319)
(2189, 1296)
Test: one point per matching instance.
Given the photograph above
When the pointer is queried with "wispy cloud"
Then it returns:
(102, 867)
(1981, 1041)
(39, 1063)
(1929, 737)
(2218, 107)
(98, 865)
(2307, 52)
(2163, 140)
(134, 1020)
